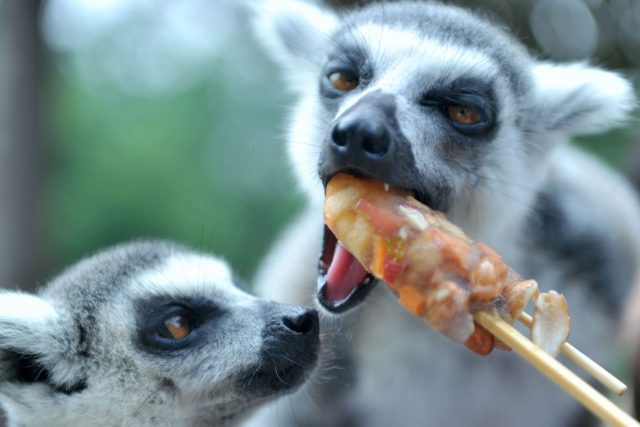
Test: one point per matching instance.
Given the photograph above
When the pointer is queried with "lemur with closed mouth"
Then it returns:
(148, 334)
(437, 100)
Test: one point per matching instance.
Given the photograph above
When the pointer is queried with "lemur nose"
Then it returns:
(360, 135)
(304, 321)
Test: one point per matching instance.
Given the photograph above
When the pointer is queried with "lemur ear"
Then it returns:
(579, 99)
(28, 331)
(295, 33)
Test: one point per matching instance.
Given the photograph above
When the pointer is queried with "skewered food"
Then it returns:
(436, 271)
(550, 322)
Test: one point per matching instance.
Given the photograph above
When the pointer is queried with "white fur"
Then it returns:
(579, 99)
(27, 320)
(294, 32)
(409, 54)
(308, 126)
(302, 264)
(186, 275)
(25, 307)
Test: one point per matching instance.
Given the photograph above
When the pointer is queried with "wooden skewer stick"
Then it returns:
(579, 358)
(554, 370)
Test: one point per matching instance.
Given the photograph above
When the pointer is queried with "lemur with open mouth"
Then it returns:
(447, 104)
(148, 334)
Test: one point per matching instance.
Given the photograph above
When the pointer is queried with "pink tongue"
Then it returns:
(344, 273)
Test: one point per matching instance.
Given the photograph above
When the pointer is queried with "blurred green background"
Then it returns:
(155, 118)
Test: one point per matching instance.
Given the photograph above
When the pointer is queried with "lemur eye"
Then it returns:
(343, 81)
(176, 327)
(463, 115)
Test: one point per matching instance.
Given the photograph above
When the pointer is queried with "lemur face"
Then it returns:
(433, 99)
(148, 334)
(412, 108)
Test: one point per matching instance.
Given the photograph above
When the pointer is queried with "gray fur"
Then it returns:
(555, 213)
(79, 352)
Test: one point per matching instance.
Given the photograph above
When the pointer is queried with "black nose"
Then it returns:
(290, 347)
(359, 135)
(304, 322)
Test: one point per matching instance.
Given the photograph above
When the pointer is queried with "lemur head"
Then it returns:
(148, 333)
(434, 99)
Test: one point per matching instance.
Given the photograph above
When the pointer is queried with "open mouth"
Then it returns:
(342, 281)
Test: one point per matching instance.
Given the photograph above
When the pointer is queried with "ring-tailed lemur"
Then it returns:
(434, 99)
(148, 334)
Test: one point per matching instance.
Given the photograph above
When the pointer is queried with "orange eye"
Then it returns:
(178, 327)
(343, 81)
(464, 115)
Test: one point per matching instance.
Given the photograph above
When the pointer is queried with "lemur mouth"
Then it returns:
(343, 282)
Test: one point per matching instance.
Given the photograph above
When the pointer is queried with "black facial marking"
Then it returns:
(83, 349)
(167, 383)
(351, 60)
(27, 369)
(201, 315)
(374, 109)
(467, 93)
(395, 166)
(585, 253)
(75, 388)
(289, 350)
(86, 328)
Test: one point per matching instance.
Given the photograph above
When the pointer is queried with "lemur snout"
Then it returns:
(291, 328)
(366, 139)
(360, 133)
(304, 322)
(290, 347)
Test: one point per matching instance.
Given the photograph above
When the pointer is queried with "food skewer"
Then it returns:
(579, 358)
(462, 288)
(557, 372)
